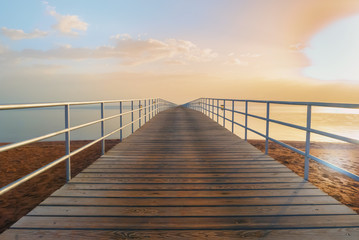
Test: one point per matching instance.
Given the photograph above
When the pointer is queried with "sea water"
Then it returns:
(339, 121)
(22, 124)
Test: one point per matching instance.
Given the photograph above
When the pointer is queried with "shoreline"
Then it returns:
(337, 185)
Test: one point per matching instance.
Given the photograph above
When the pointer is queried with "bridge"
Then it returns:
(183, 176)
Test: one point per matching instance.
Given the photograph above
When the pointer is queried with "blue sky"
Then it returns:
(179, 50)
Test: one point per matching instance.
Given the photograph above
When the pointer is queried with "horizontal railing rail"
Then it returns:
(146, 109)
(212, 107)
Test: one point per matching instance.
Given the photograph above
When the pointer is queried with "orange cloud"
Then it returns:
(127, 50)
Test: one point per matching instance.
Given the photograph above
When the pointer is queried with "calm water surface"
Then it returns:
(17, 125)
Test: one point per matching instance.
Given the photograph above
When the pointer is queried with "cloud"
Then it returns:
(298, 47)
(18, 34)
(237, 61)
(67, 24)
(128, 50)
(244, 59)
(135, 51)
(250, 55)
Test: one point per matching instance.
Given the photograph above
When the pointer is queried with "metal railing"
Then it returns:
(212, 107)
(146, 109)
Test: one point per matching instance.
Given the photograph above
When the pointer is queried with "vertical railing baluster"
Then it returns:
(102, 129)
(205, 105)
(246, 121)
(145, 111)
(158, 105)
(67, 142)
(224, 113)
(202, 105)
(155, 107)
(307, 142)
(217, 110)
(267, 128)
(232, 116)
(139, 113)
(208, 107)
(212, 109)
(121, 121)
(151, 108)
(132, 116)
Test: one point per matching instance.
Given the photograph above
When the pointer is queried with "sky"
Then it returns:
(292, 50)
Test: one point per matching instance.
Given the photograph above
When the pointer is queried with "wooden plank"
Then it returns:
(191, 211)
(183, 165)
(154, 222)
(250, 201)
(196, 193)
(186, 170)
(190, 175)
(176, 186)
(285, 234)
(254, 180)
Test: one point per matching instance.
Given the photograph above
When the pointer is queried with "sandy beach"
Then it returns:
(337, 185)
(21, 161)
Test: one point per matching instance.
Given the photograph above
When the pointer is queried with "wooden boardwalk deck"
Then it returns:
(182, 176)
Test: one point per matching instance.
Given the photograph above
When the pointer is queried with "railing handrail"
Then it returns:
(204, 105)
(60, 104)
(154, 106)
(315, 104)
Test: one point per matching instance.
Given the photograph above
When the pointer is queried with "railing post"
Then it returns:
(132, 116)
(208, 107)
(307, 142)
(145, 111)
(202, 105)
(102, 129)
(155, 107)
(205, 106)
(224, 113)
(217, 110)
(121, 121)
(267, 128)
(158, 105)
(139, 113)
(232, 116)
(152, 101)
(246, 122)
(67, 142)
(212, 109)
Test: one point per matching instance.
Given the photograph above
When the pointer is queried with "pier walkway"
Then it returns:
(183, 176)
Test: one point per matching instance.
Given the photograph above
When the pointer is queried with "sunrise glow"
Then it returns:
(179, 50)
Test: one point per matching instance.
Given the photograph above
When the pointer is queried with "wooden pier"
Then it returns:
(183, 176)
